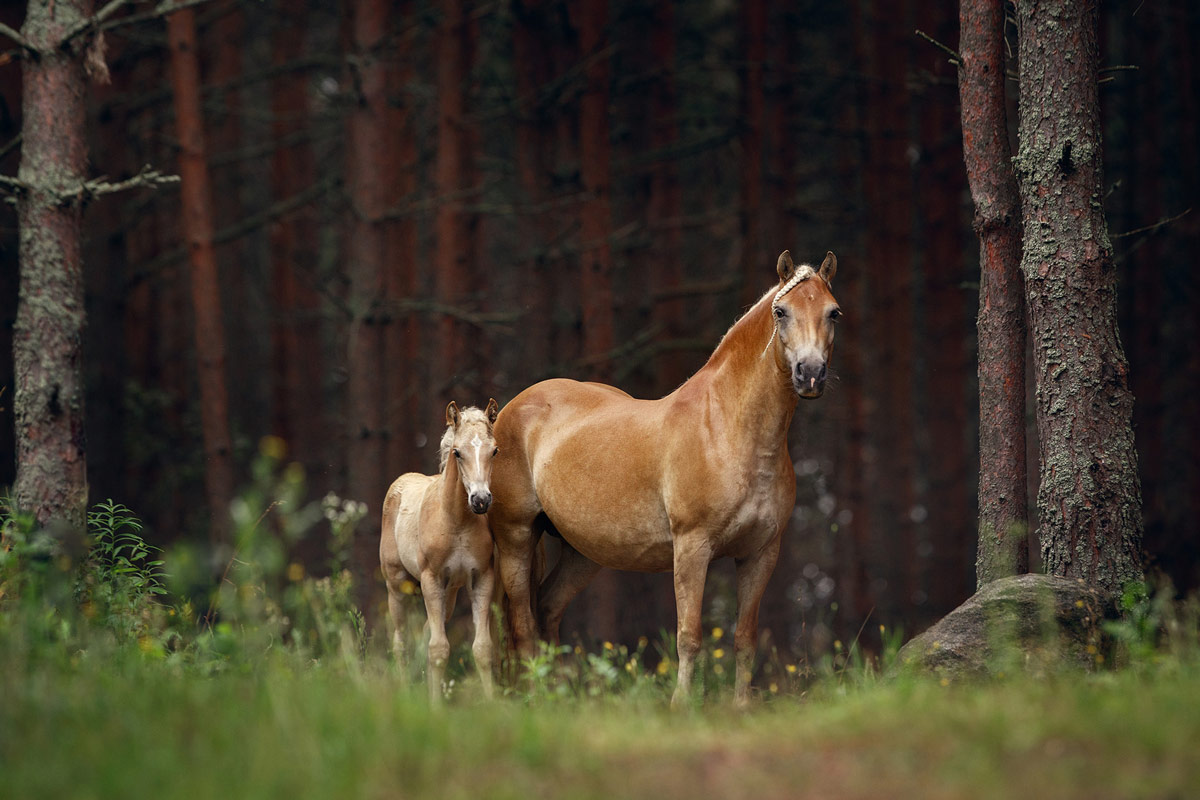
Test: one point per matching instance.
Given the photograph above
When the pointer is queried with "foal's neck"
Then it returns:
(452, 494)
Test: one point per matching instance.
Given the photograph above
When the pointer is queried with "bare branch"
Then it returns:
(95, 21)
(16, 37)
(146, 177)
(955, 58)
(1150, 228)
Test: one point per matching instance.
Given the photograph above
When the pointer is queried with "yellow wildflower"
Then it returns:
(717, 633)
(719, 652)
(295, 571)
(791, 668)
(663, 667)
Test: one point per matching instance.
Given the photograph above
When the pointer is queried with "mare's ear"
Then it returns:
(493, 409)
(784, 266)
(452, 414)
(828, 267)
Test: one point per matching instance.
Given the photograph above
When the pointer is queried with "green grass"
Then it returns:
(269, 688)
(135, 727)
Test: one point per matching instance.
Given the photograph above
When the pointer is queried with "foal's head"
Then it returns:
(805, 312)
(469, 441)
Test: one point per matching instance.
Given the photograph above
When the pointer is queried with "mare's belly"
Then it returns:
(617, 526)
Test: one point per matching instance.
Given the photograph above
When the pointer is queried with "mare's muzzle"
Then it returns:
(480, 501)
(808, 378)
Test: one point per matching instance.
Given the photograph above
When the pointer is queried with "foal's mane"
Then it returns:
(468, 415)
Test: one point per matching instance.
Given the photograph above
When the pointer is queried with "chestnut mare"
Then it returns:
(435, 531)
(670, 484)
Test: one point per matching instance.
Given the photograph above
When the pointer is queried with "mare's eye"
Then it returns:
(779, 313)
(495, 451)
(835, 315)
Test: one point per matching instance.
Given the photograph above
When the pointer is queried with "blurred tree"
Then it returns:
(371, 149)
(1089, 497)
(454, 225)
(197, 214)
(1003, 511)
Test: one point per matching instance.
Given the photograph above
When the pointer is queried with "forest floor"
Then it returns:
(134, 727)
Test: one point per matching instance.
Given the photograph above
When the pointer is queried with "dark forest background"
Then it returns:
(597, 190)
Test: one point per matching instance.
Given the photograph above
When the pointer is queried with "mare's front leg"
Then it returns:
(693, 553)
(753, 572)
(481, 600)
(515, 544)
(433, 588)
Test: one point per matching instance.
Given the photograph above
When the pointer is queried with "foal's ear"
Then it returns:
(493, 409)
(828, 267)
(784, 266)
(452, 414)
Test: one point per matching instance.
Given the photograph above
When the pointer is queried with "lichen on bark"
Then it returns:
(1089, 496)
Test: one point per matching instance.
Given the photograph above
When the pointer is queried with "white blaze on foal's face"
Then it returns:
(473, 450)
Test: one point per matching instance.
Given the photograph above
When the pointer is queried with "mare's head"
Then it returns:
(469, 441)
(805, 311)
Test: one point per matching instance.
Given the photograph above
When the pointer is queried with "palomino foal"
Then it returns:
(435, 531)
(669, 484)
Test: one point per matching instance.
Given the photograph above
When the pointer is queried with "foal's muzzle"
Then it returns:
(808, 378)
(480, 502)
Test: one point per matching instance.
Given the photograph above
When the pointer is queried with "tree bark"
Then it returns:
(1003, 510)
(196, 209)
(48, 397)
(1089, 496)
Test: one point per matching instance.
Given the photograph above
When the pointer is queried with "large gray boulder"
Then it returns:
(1026, 623)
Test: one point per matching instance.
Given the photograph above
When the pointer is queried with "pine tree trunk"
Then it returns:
(48, 397)
(298, 407)
(1003, 510)
(754, 263)
(666, 199)
(367, 144)
(1089, 496)
(196, 209)
(595, 215)
(452, 249)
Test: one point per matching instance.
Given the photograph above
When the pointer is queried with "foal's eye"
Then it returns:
(457, 454)
(835, 315)
(780, 313)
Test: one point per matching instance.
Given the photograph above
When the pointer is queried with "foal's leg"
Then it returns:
(481, 601)
(692, 556)
(572, 572)
(434, 591)
(753, 573)
(396, 613)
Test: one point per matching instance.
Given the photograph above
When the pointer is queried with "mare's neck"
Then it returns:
(750, 387)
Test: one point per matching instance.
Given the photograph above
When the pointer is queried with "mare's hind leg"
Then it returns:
(693, 553)
(752, 576)
(570, 575)
(481, 601)
(434, 591)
